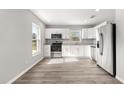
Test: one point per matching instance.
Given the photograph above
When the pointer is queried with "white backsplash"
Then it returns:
(67, 41)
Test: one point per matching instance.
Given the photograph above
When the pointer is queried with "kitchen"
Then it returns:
(73, 45)
(62, 47)
(76, 51)
(68, 46)
(81, 43)
(76, 45)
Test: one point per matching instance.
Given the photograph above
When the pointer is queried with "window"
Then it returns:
(36, 39)
(75, 35)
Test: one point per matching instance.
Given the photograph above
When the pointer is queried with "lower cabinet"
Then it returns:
(87, 51)
(65, 50)
(93, 54)
(70, 51)
(47, 51)
(76, 51)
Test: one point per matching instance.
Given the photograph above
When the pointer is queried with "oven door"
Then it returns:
(56, 47)
(56, 50)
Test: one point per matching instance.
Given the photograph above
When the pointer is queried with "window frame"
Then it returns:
(75, 33)
(38, 39)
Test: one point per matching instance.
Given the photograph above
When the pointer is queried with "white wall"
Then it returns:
(15, 42)
(120, 44)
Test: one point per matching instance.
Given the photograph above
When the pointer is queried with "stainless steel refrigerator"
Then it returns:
(106, 48)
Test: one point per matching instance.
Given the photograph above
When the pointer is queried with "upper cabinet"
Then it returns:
(47, 34)
(65, 34)
(72, 34)
(50, 31)
(88, 33)
(84, 33)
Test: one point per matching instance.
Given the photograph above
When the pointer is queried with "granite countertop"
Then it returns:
(90, 42)
(78, 43)
(75, 44)
(47, 43)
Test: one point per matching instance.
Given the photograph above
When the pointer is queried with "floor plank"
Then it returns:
(66, 71)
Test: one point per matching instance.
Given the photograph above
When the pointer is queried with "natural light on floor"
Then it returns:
(63, 60)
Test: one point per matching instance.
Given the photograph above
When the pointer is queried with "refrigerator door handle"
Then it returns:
(101, 40)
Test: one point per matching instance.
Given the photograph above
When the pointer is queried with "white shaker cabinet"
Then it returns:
(87, 51)
(75, 51)
(88, 33)
(80, 51)
(93, 53)
(92, 33)
(65, 50)
(50, 31)
(65, 33)
(84, 33)
(47, 51)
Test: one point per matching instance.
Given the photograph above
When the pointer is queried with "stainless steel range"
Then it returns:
(56, 46)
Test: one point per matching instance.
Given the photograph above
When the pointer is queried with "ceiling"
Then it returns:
(74, 16)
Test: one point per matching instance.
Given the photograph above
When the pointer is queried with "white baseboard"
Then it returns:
(120, 79)
(23, 72)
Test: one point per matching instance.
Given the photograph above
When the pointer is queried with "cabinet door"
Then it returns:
(47, 34)
(90, 33)
(65, 33)
(94, 33)
(50, 31)
(71, 51)
(74, 51)
(65, 50)
(47, 52)
(84, 33)
(80, 51)
(93, 53)
(86, 50)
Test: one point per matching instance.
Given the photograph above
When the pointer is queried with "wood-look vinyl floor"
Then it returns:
(66, 71)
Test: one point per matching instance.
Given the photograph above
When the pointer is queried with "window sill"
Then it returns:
(33, 55)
